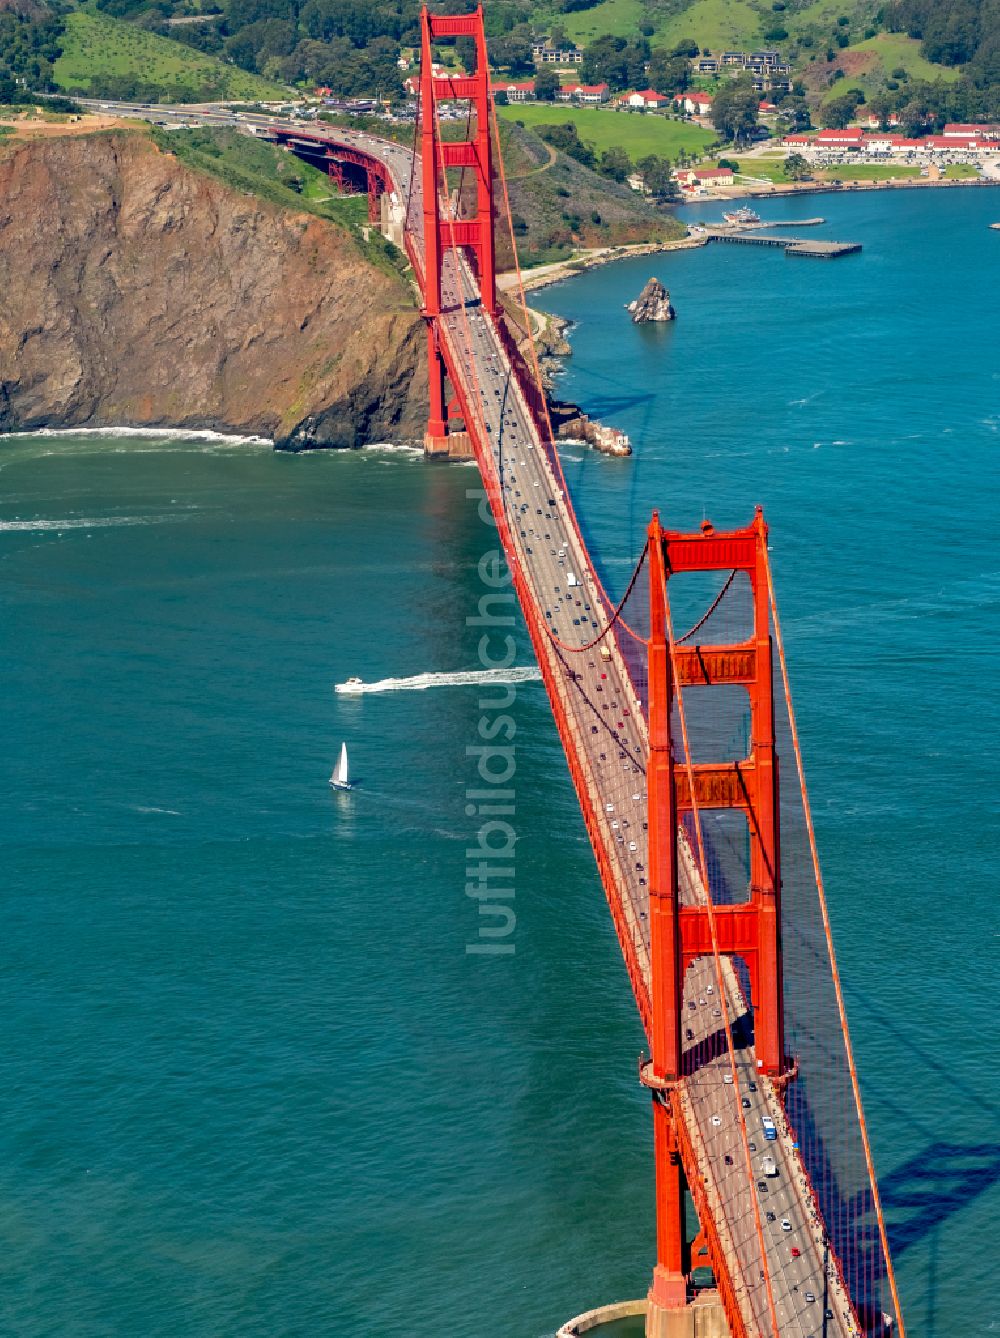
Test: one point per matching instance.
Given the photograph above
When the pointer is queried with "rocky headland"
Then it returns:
(136, 291)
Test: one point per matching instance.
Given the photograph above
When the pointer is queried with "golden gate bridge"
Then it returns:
(673, 739)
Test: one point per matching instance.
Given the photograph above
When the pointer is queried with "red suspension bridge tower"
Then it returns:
(679, 934)
(475, 235)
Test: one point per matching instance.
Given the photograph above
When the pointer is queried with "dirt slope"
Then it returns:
(135, 291)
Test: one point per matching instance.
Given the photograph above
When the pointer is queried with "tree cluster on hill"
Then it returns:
(735, 110)
(351, 45)
(957, 33)
(615, 61)
(30, 44)
(622, 64)
(921, 106)
(962, 32)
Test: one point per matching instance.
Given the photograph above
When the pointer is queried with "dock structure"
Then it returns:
(786, 223)
(792, 246)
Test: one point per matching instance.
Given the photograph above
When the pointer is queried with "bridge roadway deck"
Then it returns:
(607, 730)
(603, 723)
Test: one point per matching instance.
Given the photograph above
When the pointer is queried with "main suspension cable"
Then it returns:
(551, 451)
(478, 395)
(838, 988)
(709, 611)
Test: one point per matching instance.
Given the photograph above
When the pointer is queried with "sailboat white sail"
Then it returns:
(339, 779)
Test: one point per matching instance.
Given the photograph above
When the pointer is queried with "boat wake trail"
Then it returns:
(459, 679)
(80, 523)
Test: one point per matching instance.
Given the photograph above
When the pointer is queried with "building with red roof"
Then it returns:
(522, 90)
(873, 122)
(695, 103)
(885, 142)
(589, 93)
(647, 98)
(851, 137)
(689, 177)
(956, 131)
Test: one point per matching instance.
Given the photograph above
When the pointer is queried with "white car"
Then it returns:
(785, 1224)
(717, 1121)
(728, 1079)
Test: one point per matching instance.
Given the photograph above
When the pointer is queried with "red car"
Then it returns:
(795, 1252)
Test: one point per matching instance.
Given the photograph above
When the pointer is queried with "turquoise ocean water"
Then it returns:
(254, 1083)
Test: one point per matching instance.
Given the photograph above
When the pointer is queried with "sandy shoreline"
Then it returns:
(545, 275)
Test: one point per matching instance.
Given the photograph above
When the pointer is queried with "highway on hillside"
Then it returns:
(608, 730)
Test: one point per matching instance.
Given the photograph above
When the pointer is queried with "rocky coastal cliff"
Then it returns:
(136, 291)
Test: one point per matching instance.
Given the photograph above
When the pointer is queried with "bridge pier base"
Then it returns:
(668, 1293)
(704, 1317)
(449, 446)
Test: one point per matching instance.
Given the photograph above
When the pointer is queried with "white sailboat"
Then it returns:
(339, 779)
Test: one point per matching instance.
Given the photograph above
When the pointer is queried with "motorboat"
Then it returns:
(743, 216)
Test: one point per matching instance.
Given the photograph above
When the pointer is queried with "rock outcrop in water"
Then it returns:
(652, 304)
(136, 291)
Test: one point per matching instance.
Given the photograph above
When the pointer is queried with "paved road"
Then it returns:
(608, 734)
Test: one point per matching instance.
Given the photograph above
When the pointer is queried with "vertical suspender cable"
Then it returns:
(855, 1085)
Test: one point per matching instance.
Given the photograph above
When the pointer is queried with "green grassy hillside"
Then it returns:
(894, 51)
(620, 18)
(716, 24)
(869, 66)
(256, 167)
(637, 134)
(109, 57)
(559, 205)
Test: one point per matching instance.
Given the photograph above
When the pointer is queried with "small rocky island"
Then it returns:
(652, 304)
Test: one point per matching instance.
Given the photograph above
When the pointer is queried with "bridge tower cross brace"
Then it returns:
(680, 934)
(475, 235)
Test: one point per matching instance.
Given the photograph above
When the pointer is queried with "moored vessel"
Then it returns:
(742, 215)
